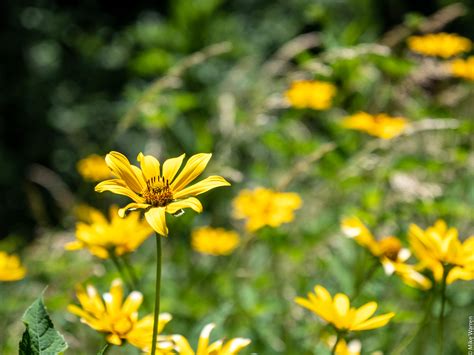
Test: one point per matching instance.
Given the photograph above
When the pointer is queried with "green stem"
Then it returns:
(157, 293)
(338, 339)
(104, 349)
(441, 314)
(121, 271)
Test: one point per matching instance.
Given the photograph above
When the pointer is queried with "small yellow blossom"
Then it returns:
(101, 236)
(158, 189)
(388, 250)
(316, 95)
(343, 348)
(93, 168)
(219, 347)
(381, 125)
(463, 68)
(118, 319)
(443, 45)
(439, 249)
(338, 312)
(214, 241)
(10, 268)
(264, 207)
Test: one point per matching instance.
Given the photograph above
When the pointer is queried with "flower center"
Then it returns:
(157, 192)
(390, 247)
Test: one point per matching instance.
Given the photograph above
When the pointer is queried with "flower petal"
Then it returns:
(233, 346)
(171, 167)
(375, 322)
(182, 345)
(190, 202)
(157, 219)
(202, 186)
(132, 206)
(132, 303)
(342, 304)
(150, 166)
(121, 167)
(193, 168)
(204, 339)
(117, 187)
(365, 312)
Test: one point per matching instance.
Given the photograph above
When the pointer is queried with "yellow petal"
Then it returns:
(121, 167)
(114, 339)
(132, 206)
(132, 303)
(204, 339)
(193, 168)
(233, 346)
(342, 304)
(116, 186)
(182, 345)
(75, 245)
(365, 312)
(190, 202)
(375, 322)
(171, 167)
(322, 293)
(156, 218)
(150, 166)
(205, 185)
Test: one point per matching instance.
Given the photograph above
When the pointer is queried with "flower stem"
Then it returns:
(338, 339)
(157, 293)
(441, 313)
(121, 271)
(104, 349)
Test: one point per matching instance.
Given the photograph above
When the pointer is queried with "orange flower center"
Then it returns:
(122, 326)
(158, 192)
(390, 247)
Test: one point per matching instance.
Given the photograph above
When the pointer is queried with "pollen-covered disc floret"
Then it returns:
(159, 189)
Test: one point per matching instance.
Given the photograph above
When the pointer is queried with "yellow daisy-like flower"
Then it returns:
(388, 250)
(338, 312)
(214, 241)
(158, 189)
(264, 207)
(443, 45)
(316, 95)
(101, 236)
(463, 68)
(381, 125)
(343, 348)
(219, 347)
(118, 319)
(11, 268)
(93, 168)
(439, 249)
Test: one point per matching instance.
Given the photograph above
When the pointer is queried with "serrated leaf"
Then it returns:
(40, 337)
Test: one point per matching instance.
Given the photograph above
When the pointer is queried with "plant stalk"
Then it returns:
(157, 293)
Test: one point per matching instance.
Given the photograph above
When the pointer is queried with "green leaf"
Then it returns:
(40, 337)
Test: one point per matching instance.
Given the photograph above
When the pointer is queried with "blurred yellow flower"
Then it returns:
(344, 348)
(463, 68)
(381, 125)
(338, 312)
(119, 320)
(214, 241)
(156, 190)
(388, 250)
(220, 347)
(316, 95)
(101, 236)
(264, 207)
(439, 44)
(11, 268)
(439, 249)
(93, 168)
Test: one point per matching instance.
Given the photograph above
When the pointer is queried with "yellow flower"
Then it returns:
(439, 249)
(317, 95)
(119, 320)
(388, 250)
(463, 68)
(10, 268)
(101, 236)
(381, 125)
(93, 168)
(344, 348)
(159, 189)
(265, 207)
(439, 44)
(214, 241)
(338, 312)
(231, 347)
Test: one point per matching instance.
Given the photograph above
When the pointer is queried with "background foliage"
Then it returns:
(88, 77)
